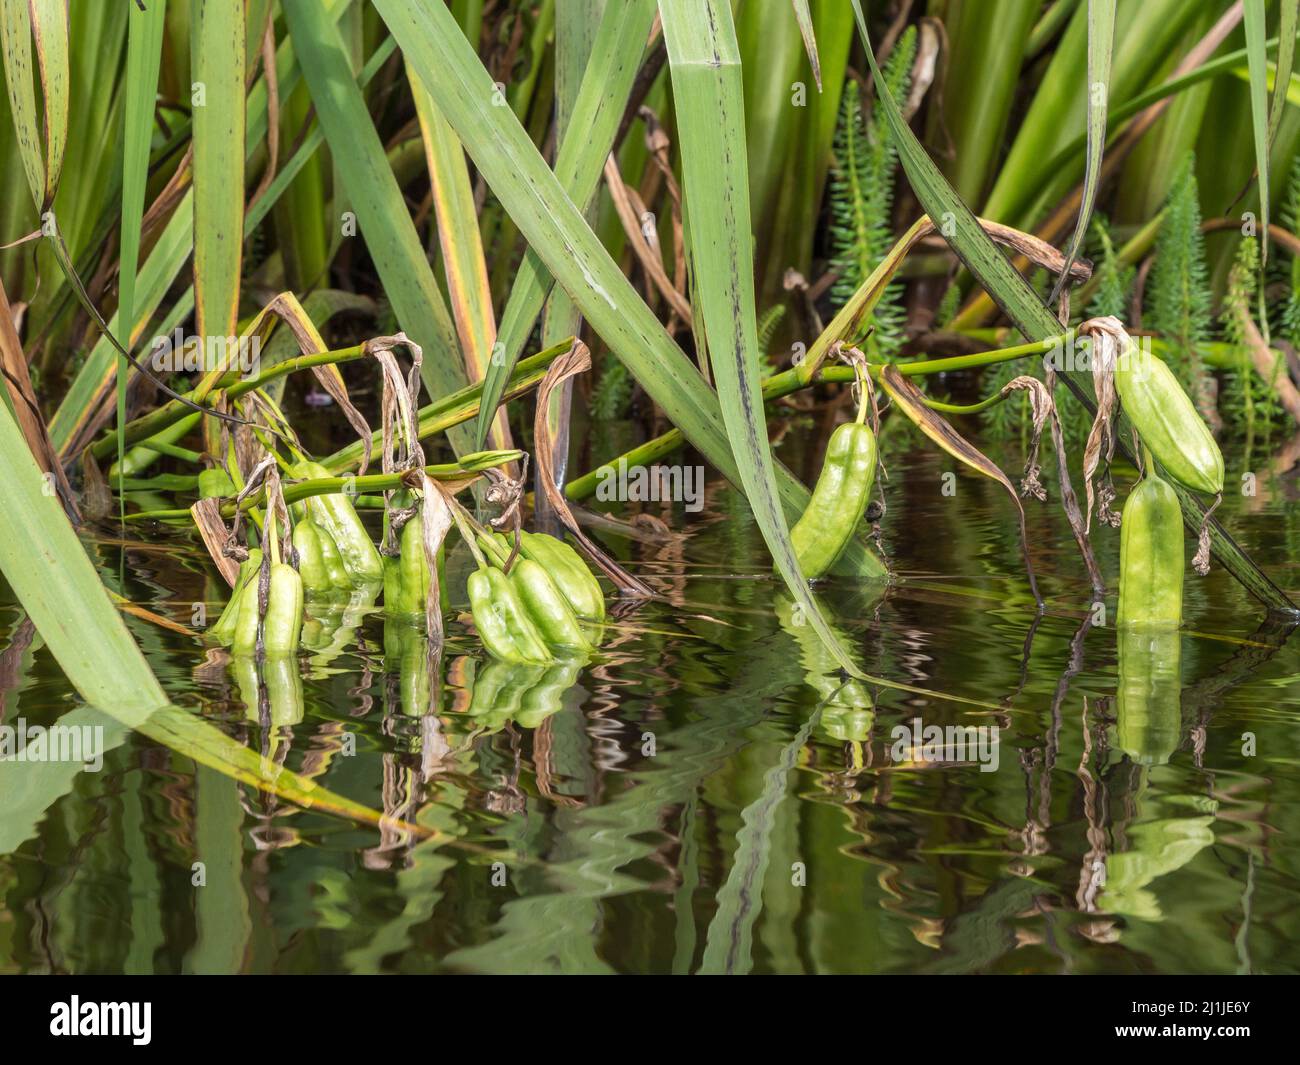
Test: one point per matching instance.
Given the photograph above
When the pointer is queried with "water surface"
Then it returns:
(706, 794)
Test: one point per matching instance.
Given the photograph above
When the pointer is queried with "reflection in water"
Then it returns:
(708, 792)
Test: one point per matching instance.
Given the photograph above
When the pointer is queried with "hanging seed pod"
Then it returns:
(1151, 557)
(316, 579)
(568, 570)
(840, 497)
(335, 513)
(502, 620)
(1166, 420)
(282, 625)
(223, 629)
(547, 608)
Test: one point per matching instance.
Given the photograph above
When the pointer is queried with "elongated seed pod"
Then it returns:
(335, 513)
(283, 623)
(311, 559)
(1167, 421)
(549, 610)
(223, 630)
(1151, 557)
(245, 638)
(569, 571)
(502, 622)
(838, 501)
(337, 572)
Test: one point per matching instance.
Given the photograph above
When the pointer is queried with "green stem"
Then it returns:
(790, 381)
(372, 483)
(158, 420)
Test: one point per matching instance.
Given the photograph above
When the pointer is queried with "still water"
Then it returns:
(705, 795)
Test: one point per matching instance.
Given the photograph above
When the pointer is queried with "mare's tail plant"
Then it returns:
(862, 198)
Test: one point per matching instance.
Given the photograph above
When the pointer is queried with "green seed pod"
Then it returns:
(282, 682)
(1148, 703)
(548, 609)
(1168, 423)
(223, 630)
(503, 623)
(311, 560)
(339, 578)
(838, 501)
(283, 623)
(1151, 557)
(215, 483)
(569, 572)
(335, 514)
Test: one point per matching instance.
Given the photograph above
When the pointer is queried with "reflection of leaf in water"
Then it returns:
(222, 924)
(728, 949)
(418, 884)
(553, 927)
(29, 789)
(1158, 848)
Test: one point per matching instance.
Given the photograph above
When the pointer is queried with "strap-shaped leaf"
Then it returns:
(606, 85)
(1101, 42)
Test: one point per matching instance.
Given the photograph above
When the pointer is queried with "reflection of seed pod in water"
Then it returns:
(848, 710)
(282, 683)
(499, 689)
(523, 693)
(406, 653)
(546, 697)
(1149, 697)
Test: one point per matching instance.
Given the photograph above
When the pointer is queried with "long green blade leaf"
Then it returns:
(381, 214)
(705, 63)
(1257, 58)
(144, 52)
(593, 122)
(1101, 42)
(1285, 63)
(217, 59)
